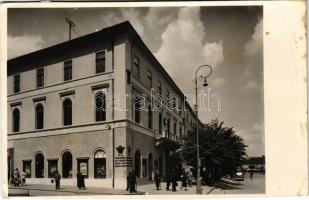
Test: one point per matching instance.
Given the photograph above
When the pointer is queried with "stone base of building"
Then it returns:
(119, 183)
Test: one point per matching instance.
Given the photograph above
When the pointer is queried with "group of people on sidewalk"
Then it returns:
(79, 177)
(171, 180)
(18, 179)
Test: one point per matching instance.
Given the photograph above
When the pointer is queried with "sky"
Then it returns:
(229, 39)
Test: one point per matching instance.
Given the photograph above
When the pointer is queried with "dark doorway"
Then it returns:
(99, 164)
(150, 166)
(67, 165)
(137, 163)
(39, 166)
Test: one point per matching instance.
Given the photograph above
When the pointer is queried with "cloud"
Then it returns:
(214, 53)
(134, 16)
(254, 139)
(19, 45)
(218, 82)
(183, 48)
(255, 44)
(157, 17)
(252, 85)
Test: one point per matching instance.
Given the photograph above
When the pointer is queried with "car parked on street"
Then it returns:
(239, 176)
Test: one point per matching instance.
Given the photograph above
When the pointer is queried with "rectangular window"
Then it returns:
(67, 70)
(27, 168)
(100, 62)
(175, 128)
(82, 167)
(52, 167)
(149, 76)
(180, 130)
(40, 78)
(149, 118)
(160, 123)
(137, 109)
(16, 83)
(136, 66)
(159, 88)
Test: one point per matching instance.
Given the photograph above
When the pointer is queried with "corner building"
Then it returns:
(76, 106)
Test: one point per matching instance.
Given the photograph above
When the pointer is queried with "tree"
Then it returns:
(221, 150)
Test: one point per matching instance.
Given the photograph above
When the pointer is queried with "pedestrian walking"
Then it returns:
(128, 181)
(157, 179)
(134, 181)
(131, 182)
(83, 182)
(174, 180)
(57, 180)
(190, 178)
(251, 175)
(12, 178)
(23, 178)
(16, 177)
(184, 180)
(79, 180)
(168, 180)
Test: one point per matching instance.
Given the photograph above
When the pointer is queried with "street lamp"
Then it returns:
(205, 84)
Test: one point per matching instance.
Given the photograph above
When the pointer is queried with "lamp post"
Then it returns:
(205, 84)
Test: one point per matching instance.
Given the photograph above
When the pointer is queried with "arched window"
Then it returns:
(16, 120)
(137, 163)
(67, 112)
(100, 107)
(67, 165)
(99, 164)
(39, 116)
(149, 117)
(39, 165)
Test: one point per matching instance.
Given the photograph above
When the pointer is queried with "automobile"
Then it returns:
(239, 176)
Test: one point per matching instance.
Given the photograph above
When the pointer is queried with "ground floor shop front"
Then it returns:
(104, 157)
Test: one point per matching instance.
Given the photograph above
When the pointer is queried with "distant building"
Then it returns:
(254, 163)
(61, 113)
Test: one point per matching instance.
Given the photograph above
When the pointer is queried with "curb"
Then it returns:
(214, 187)
(76, 192)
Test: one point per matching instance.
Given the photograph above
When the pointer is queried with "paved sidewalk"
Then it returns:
(65, 190)
(150, 189)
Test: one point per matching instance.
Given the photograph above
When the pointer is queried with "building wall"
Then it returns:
(85, 134)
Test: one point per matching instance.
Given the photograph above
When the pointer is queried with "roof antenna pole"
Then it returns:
(71, 26)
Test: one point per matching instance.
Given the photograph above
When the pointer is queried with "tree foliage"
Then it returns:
(222, 151)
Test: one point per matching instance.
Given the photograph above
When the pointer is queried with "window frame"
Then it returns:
(49, 162)
(97, 59)
(14, 129)
(150, 117)
(149, 79)
(68, 73)
(159, 88)
(40, 77)
(64, 121)
(36, 116)
(136, 66)
(97, 112)
(28, 175)
(16, 79)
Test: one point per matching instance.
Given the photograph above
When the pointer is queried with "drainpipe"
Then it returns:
(113, 130)
(113, 114)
